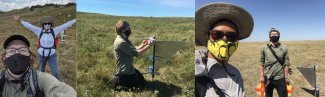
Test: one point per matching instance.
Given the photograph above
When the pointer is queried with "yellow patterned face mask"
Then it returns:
(222, 50)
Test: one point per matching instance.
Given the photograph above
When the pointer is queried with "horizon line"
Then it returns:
(138, 16)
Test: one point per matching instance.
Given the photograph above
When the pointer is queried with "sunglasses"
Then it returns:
(47, 23)
(216, 35)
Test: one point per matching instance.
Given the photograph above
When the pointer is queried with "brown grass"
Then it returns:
(301, 53)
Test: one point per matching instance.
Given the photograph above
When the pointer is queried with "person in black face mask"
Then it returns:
(274, 66)
(19, 79)
(274, 35)
(125, 74)
(17, 58)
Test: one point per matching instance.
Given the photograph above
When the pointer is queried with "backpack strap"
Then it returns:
(215, 87)
(39, 38)
(278, 60)
(2, 82)
(41, 34)
(53, 35)
(201, 83)
(276, 57)
(36, 91)
(52, 32)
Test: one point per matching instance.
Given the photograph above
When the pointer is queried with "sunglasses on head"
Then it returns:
(216, 35)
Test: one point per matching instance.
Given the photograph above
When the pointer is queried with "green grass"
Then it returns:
(66, 52)
(96, 62)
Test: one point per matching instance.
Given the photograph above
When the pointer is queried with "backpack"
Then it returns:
(56, 40)
(33, 91)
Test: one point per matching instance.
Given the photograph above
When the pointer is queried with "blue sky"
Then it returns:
(299, 20)
(155, 8)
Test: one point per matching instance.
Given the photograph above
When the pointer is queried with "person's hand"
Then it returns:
(287, 80)
(150, 42)
(290, 71)
(16, 17)
(144, 42)
(262, 79)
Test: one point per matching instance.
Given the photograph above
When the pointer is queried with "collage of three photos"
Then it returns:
(162, 48)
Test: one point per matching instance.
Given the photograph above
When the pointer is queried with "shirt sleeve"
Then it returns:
(200, 63)
(64, 26)
(128, 49)
(286, 60)
(262, 56)
(31, 27)
(54, 88)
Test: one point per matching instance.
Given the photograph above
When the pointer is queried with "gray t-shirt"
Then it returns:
(231, 86)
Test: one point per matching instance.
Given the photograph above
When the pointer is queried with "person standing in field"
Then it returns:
(47, 41)
(218, 29)
(125, 74)
(274, 65)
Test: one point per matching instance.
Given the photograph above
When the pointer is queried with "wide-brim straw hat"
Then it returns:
(47, 19)
(207, 15)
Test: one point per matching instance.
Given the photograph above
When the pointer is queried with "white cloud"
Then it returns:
(7, 5)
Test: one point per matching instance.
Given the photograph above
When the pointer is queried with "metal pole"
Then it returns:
(153, 62)
(315, 81)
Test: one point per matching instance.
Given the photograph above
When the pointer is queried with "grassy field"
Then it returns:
(66, 52)
(96, 62)
(301, 53)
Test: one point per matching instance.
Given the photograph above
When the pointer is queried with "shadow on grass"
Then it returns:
(164, 89)
(311, 92)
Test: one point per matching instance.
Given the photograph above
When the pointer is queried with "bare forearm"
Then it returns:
(286, 71)
(261, 70)
(143, 49)
(140, 46)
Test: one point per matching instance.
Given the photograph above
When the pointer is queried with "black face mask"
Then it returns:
(274, 38)
(17, 64)
(127, 33)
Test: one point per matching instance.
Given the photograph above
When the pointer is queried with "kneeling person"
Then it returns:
(125, 74)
